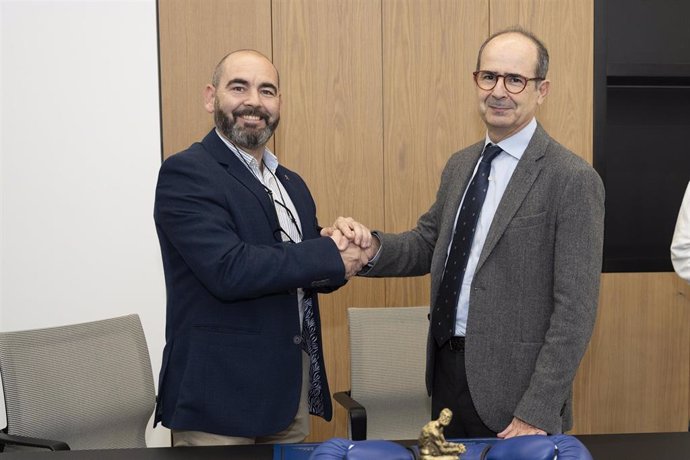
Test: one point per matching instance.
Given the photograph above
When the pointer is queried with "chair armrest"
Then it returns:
(357, 414)
(11, 439)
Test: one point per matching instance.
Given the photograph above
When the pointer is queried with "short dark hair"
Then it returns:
(542, 53)
(218, 71)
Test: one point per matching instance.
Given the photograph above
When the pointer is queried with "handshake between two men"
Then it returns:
(356, 244)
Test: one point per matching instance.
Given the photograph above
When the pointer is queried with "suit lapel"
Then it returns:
(239, 171)
(463, 172)
(520, 184)
(460, 177)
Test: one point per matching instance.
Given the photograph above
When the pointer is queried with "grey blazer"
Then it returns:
(535, 290)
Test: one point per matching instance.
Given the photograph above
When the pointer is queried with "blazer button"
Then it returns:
(297, 339)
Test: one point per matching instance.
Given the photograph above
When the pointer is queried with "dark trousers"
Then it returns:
(451, 391)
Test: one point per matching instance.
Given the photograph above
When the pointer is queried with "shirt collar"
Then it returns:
(516, 144)
(270, 160)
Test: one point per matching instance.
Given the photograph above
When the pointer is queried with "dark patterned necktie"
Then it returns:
(310, 344)
(444, 312)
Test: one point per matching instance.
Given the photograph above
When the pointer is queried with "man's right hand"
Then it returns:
(355, 242)
(354, 259)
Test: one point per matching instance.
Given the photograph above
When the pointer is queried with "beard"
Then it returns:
(247, 138)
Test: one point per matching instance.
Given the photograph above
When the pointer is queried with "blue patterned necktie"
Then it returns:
(311, 344)
(444, 312)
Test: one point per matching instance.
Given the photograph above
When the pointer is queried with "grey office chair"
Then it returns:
(387, 397)
(81, 386)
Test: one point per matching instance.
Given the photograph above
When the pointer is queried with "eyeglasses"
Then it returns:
(513, 83)
(280, 231)
(282, 236)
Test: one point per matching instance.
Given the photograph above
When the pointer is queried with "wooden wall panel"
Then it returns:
(634, 377)
(430, 109)
(329, 55)
(567, 29)
(194, 36)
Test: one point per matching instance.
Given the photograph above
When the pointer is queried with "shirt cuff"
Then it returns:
(374, 259)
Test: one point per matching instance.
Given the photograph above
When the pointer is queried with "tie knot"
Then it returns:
(491, 152)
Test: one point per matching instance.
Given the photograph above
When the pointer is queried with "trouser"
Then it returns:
(450, 390)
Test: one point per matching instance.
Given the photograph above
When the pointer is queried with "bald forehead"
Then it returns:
(248, 55)
(246, 63)
(517, 41)
(513, 37)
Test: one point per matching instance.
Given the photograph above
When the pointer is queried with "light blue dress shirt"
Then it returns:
(502, 169)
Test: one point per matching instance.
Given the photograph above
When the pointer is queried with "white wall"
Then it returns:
(79, 155)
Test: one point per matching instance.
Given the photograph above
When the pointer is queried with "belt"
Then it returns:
(456, 343)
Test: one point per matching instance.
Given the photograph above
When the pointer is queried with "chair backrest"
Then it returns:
(387, 361)
(89, 385)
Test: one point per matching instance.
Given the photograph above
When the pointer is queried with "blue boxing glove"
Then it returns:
(380, 450)
(333, 449)
(570, 448)
(534, 447)
(344, 449)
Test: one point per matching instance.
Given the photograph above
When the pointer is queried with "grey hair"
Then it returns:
(542, 53)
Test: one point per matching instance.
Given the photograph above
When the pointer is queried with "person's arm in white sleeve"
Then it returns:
(680, 246)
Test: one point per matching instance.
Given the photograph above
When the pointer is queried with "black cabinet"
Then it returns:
(641, 126)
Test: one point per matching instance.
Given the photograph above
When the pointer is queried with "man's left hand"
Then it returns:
(519, 428)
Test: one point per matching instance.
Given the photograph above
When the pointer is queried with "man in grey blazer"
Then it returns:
(526, 302)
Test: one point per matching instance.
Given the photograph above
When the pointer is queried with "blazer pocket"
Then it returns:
(535, 220)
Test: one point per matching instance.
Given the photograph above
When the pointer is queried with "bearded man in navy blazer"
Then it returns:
(512, 310)
(243, 261)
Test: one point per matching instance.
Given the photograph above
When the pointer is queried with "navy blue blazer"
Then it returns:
(232, 360)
